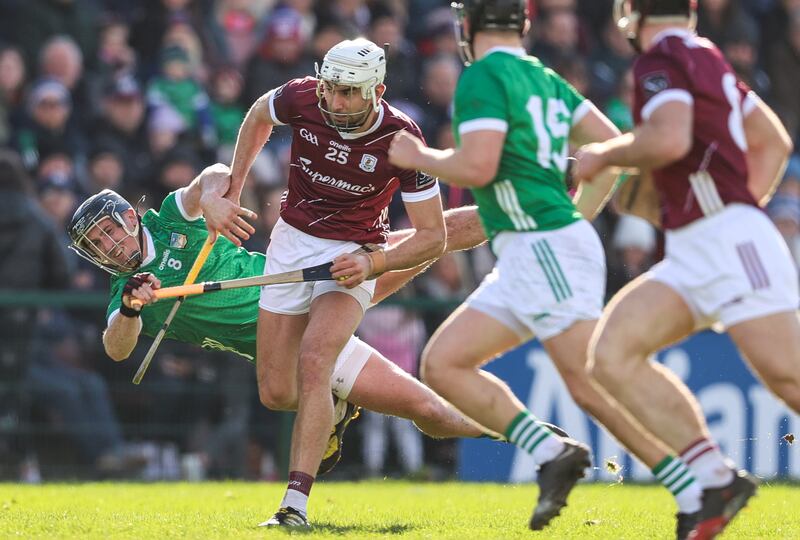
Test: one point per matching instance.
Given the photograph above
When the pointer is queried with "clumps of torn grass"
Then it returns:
(612, 466)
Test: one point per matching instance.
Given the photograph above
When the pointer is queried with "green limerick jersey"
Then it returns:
(224, 320)
(510, 92)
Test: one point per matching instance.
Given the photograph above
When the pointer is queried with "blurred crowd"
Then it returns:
(139, 96)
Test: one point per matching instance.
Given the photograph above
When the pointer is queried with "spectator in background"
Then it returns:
(784, 208)
(619, 107)
(281, 55)
(59, 198)
(47, 127)
(401, 79)
(235, 27)
(77, 401)
(12, 91)
(399, 335)
(716, 19)
(62, 60)
(325, 37)
(33, 258)
(226, 108)
(177, 90)
(122, 125)
(609, 62)
(185, 36)
(439, 77)
(575, 70)
(32, 22)
(106, 169)
(634, 243)
(148, 31)
(741, 50)
(557, 35)
(439, 38)
(352, 13)
(178, 168)
(115, 56)
(784, 72)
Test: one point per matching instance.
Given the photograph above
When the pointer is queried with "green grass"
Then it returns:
(363, 510)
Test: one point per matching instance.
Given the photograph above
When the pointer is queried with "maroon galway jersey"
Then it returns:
(340, 186)
(681, 66)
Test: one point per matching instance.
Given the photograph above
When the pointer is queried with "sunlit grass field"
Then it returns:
(375, 509)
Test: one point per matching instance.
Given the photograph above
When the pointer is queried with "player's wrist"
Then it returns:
(130, 312)
(377, 262)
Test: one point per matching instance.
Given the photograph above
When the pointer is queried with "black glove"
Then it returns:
(133, 283)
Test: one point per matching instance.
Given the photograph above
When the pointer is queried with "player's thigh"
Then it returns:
(772, 346)
(468, 338)
(569, 349)
(385, 388)
(642, 318)
(278, 344)
(332, 320)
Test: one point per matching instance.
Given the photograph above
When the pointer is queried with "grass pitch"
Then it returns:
(373, 509)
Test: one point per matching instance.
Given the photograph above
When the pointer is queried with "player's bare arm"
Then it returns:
(205, 196)
(593, 195)
(768, 149)
(664, 138)
(253, 135)
(427, 242)
(473, 164)
(122, 333)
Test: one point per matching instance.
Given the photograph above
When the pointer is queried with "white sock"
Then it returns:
(708, 464)
(534, 438)
(297, 500)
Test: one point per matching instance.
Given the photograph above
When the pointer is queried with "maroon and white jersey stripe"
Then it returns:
(340, 185)
(683, 67)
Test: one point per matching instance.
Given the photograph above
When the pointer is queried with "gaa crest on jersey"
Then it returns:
(368, 163)
(177, 240)
(654, 83)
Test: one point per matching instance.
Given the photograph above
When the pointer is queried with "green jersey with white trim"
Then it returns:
(511, 92)
(224, 320)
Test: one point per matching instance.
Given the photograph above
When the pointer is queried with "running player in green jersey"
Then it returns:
(158, 250)
(514, 120)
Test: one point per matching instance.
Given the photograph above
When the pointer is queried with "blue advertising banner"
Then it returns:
(744, 417)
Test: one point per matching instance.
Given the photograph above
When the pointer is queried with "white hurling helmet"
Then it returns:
(358, 63)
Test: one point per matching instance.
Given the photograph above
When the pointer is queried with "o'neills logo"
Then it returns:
(334, 182)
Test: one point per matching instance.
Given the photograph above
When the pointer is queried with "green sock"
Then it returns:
(526, 433)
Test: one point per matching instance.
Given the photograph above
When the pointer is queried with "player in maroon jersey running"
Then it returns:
(340, 185)
(716, 153)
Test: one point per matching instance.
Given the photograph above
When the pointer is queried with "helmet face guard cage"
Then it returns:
(630, 18)
(350, 121)
(464, 41)
(111, 208)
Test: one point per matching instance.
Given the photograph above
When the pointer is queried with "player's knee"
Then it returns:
(787, 386)
(434, 373)
(314, 371)
(603, 364)
(276, 398)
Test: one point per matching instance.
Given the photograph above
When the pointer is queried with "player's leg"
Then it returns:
(383, 387)
(568, 351)
(451, 366)
(771, 344)
(644, 317)
(278, 344)
(333, 318)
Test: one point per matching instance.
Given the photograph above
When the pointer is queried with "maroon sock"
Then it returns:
(300, 481)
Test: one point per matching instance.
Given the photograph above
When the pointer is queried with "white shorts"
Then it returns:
(291, 249)
(544, 282)
(730, 267)
(348, 366)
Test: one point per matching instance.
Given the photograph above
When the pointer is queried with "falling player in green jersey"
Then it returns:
(158, 250)
(514, 120)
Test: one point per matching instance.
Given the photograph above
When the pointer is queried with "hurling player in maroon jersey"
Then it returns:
(716, 153)
(340, 185)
